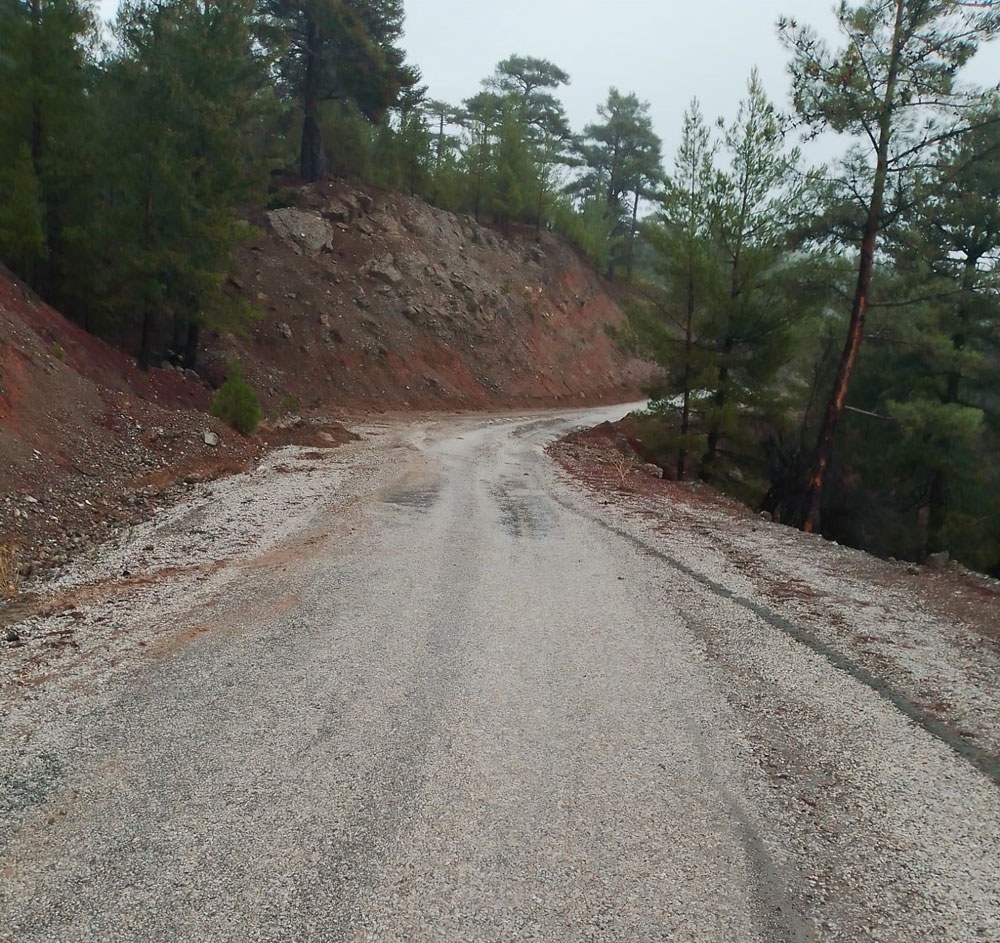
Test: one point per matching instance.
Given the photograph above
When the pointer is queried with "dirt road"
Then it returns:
(419, 689)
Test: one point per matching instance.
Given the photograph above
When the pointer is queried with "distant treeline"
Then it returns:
(790, 308)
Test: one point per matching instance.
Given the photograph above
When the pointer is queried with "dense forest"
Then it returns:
(827, 336)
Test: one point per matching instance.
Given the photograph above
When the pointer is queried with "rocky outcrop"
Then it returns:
(379, 298)
(305, 232)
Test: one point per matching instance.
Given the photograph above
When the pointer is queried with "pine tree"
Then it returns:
(755, 200)
(668, 330)
(185, 81)
(936, 334)
(45, 71)
(623, 163)
(527, 84)
(894, 87)
(22, 241)
(337, 50)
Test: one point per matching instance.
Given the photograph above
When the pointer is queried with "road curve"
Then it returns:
(461, 710)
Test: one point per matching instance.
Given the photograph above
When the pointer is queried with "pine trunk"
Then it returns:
(855, 332)
(686, 393)
(720, 400)
(36, 105)
(312, 160)
(146, 341)
(191, 345)
(632, 232)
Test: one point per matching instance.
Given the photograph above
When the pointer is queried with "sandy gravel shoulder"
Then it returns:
(134, 598)
(929, 638)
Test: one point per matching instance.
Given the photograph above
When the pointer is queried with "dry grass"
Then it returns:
(623, 465)
(9, 577)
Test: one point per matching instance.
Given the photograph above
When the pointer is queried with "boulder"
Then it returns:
(210, 438)
(305, 232)
(383, 270)
(938, 561)
(337, 212)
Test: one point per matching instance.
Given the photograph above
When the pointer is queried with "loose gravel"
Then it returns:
(414, 690)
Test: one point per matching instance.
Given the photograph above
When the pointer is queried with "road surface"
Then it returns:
(449, 701)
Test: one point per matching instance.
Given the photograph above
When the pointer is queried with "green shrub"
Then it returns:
(282, 198)
(236, 402)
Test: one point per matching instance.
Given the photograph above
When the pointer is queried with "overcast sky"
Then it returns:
(666, 51)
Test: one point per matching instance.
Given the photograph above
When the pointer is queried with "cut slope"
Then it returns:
(377, 298)
(86, 439)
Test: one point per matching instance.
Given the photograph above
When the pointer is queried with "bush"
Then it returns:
(282, 198)
(237, 403)
(9, 576)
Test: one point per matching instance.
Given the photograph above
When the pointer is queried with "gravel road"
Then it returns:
(422, 688)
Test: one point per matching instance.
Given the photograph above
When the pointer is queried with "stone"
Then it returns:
(306, 233)
(938, 561)
(337, 212)
(285, 330)
(211, 438)
(383, 271)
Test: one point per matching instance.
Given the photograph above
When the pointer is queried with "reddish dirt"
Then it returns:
(88, 442)
(459, 315)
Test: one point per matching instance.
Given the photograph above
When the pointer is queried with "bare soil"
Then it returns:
(392, 303)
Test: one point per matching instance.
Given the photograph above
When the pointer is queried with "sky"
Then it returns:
(666, 51)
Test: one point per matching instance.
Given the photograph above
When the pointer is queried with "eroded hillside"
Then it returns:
(378, 299)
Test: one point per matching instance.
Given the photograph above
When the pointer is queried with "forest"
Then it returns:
(827, 337)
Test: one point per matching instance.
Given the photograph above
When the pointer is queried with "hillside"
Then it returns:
(378, 299)
(367, 302)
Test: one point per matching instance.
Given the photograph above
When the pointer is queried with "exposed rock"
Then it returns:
(337, 212)
(307, 233)
(938, 561)
(384, 271)
(386, 224)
